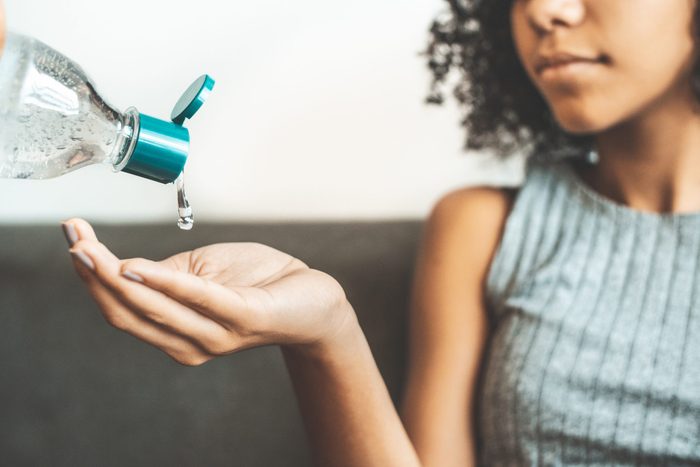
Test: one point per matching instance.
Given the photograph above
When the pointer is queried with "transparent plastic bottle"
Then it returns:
(53, 121)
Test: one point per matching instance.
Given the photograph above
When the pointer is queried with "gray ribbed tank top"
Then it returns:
(594, 354)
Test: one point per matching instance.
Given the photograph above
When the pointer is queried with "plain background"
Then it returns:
(318, 111)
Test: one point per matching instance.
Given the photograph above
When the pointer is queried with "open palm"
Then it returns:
(213, 300)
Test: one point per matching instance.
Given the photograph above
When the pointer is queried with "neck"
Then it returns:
(652, 162)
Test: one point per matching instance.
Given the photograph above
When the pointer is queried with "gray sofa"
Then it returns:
(77, 392)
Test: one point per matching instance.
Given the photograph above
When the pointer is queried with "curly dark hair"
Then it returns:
(503, 110)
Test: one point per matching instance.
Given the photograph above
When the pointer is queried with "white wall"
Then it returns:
(317, 112)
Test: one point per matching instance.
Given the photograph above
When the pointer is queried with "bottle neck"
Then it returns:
(127, 137)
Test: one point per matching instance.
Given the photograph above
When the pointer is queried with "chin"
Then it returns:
(581, 121)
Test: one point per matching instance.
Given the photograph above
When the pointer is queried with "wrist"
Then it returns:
(342, 343)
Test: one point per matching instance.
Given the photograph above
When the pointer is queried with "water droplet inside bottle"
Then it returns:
(185, 220)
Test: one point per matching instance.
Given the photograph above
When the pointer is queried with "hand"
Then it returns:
(214, 300)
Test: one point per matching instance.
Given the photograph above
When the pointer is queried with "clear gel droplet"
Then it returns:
(185, 220)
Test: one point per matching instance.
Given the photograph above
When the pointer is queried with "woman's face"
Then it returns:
(633, 54)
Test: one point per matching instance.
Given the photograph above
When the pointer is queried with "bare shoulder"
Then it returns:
(485, 202)
(468, 222)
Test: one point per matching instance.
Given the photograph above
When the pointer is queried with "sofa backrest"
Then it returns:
(76, 392)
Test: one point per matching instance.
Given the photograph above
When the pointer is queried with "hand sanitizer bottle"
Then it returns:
(53, 121)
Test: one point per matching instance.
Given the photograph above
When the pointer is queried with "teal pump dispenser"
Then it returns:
(162, 147)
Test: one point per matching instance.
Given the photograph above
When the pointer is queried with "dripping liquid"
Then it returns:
(185, 220)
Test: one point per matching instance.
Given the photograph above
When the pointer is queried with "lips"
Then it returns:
(552, 60)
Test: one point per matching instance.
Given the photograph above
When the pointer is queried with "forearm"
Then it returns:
(347, 410)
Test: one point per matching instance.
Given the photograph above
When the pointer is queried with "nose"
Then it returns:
(545, 15)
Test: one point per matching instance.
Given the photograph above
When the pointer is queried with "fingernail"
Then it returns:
(134, 277)
(85, 259)
(70, 233)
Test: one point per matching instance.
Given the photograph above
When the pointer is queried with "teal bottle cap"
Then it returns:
(192, 99)
(162, 147)
(161, 150)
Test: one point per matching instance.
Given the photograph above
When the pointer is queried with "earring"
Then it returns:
(592, 156)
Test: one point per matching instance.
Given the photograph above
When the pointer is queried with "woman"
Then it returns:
(574, 295)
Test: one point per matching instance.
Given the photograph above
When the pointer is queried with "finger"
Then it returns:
(232, 307)
(118, 315)
(121, 317)
(154, 305)
(78, 229)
